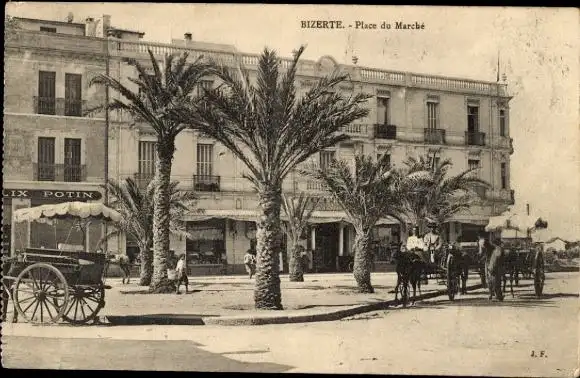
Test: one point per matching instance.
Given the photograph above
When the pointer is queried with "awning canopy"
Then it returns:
(252, 216)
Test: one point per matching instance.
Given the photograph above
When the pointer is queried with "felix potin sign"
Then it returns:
(66, 195)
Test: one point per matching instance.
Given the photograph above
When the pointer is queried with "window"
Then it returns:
(205, 159)
(72, 160)
(47, 29)
(432, 115)
(147, 158)
(473, 164)
(72, 95)
(383, 111)
(472, 119)
(46, 167)
(503, 175)
(46, 92)
(379, 156)
(204, 84)
(326, 158)
(502, 122)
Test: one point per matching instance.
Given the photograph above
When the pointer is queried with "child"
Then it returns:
(181, 274)
(250, 262)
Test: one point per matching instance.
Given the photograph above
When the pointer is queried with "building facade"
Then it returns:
(411, 114)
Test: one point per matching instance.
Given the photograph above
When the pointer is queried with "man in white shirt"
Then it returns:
(414, 242)
(181, 274)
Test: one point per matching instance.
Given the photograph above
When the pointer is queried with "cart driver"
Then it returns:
(414, 242)
(432, 242)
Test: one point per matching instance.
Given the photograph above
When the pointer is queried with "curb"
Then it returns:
(240, 320)
(267, 318)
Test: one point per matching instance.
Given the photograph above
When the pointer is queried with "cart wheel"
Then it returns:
(451, 279)
(539, 275)
(84, 304)
(40, 294)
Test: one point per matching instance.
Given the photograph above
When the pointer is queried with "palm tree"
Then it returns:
(298, 210)
(366, 193)
(438, 195)
(271, 131)
(167, 88)
(136, 205)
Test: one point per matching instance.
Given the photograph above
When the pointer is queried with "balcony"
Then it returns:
(328, 204)
(434, 136)
(385, 131)
(356, 130)
(45, 105)
(474, 138)
(73, 108)
(206, 183)
(143, 179)
(60, 172)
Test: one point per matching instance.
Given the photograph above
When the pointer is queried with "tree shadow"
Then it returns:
(485, 302)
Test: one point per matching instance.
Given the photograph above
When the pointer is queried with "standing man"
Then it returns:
(432, 242)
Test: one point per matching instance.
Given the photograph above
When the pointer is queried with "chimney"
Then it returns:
(70, 17)
(187, 36)
(106, 23)
(90, 27)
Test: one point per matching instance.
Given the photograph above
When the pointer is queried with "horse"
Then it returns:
(494, 268)
(512, 268)
(409, 268)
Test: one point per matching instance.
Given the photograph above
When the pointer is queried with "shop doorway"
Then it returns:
(326, 251)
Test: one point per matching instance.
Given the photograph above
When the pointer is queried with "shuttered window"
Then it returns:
(46, 166)
(72, 95)
(204, 159)
(46, 92)
(147, 158)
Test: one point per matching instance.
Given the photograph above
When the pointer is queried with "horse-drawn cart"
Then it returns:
(46, 285)
(520, 254)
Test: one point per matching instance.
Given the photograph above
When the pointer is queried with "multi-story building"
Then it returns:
(411, 114)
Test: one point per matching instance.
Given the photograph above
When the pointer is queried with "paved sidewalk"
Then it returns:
(229, 300)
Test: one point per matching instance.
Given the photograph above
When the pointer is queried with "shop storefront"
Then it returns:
(17, 236)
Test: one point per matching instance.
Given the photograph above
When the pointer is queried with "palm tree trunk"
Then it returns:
(146, 258)
(295, 266)
(267, 294)
(161, 214)
(363, 261)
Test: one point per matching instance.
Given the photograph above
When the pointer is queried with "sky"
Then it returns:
(537, 47)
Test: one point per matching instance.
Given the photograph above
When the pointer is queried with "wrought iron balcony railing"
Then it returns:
(474, 138)
(45, 105)
(385, 131)
(60, 172)
(73, 108)
(434, 136)
(356, 130)
(206, 183)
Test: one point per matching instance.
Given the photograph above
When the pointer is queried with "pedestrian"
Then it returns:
(125, 265)
(250, 262)
(181, 274)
